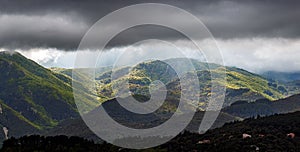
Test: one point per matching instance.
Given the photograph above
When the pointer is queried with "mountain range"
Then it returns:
(37, 100)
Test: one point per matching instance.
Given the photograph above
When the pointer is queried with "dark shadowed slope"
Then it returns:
(264, 107)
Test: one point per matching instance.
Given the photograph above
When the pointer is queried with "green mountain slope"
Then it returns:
(33, 95)
(240, 84)
(80, 79)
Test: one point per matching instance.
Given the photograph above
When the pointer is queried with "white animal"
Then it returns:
(246, 136)
(5, 130)
(1, 111)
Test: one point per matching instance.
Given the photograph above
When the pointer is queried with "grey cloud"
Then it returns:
(61, 24)
(19, 31)
(255, 54)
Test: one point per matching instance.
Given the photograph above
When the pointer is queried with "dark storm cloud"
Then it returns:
(61, 24)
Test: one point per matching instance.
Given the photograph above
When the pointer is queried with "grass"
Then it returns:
(21, 117)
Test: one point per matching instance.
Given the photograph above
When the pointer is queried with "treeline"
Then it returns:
(56, 143)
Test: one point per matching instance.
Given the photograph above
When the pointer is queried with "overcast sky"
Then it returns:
(258, 35)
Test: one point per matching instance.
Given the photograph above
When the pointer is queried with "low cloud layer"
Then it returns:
(256, 54)
(260, 55)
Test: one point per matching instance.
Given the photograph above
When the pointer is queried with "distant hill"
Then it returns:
(264, 107)
(282, 76)
(293, 87)
(241, 84)
(291, 80)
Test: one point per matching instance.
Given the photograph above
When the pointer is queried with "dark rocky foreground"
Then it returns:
(272, 133)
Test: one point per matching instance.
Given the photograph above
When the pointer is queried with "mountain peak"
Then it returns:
(9, 53)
